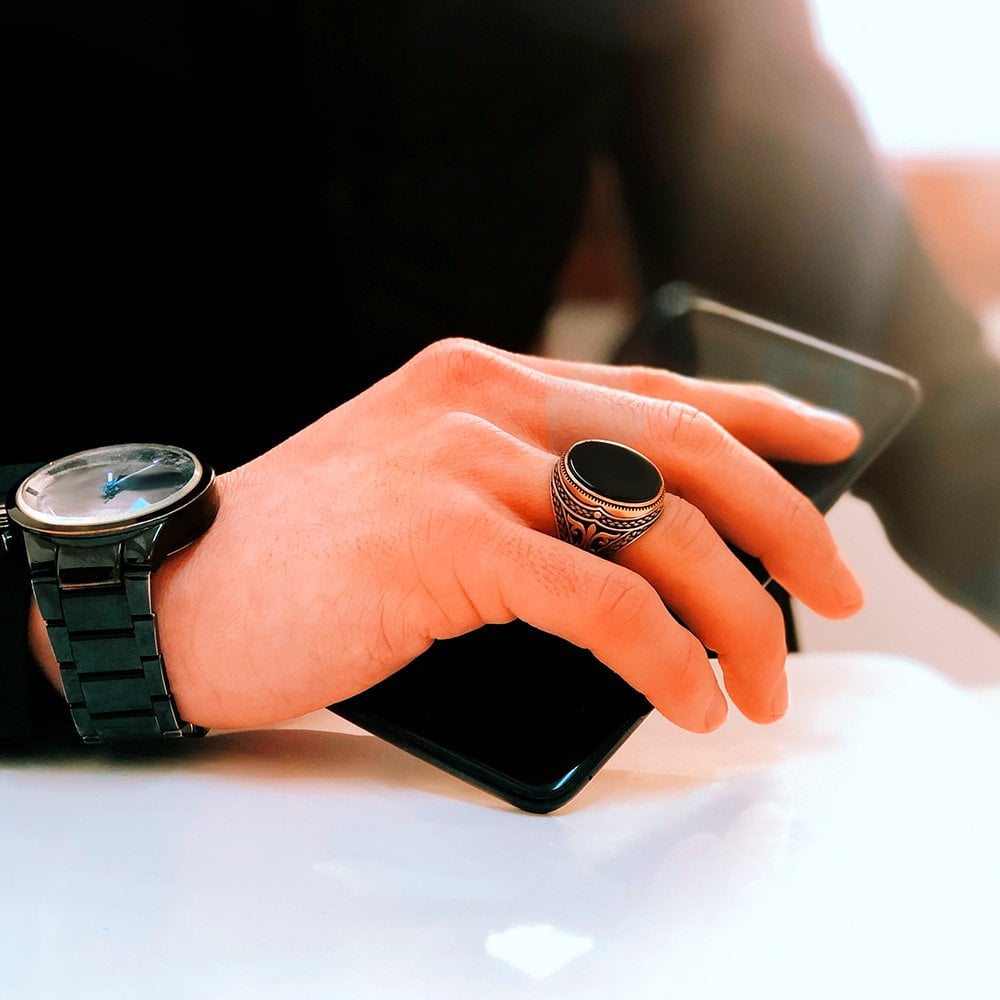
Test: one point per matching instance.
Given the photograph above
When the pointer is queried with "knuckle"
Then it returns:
(473, 448)
(693, 537)
(473, 375)
(457, 362)
(472, 429)
(687, 672)
(622, 603)
(693, 431)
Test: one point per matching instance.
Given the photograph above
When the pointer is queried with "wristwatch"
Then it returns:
(95, 526)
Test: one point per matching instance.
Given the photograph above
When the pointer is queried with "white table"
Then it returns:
(850, 850)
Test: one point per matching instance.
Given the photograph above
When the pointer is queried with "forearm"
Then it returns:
(748, 171)
(760, 183)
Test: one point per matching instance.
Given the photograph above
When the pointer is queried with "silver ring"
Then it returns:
(605, 495)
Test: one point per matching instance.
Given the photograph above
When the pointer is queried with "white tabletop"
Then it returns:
(850, 850)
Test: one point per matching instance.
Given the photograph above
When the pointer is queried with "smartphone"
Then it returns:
(531, 718)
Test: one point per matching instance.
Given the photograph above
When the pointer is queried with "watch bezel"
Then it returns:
(188, 515)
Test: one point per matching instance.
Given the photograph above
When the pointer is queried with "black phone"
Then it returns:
(528, 716)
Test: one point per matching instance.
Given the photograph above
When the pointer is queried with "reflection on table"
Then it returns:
(848, 850)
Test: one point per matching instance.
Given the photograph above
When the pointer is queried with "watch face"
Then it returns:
(109, 486)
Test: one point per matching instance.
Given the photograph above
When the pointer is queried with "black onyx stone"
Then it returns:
(611, 470)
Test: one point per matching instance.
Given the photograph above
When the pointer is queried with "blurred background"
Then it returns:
(925, 78)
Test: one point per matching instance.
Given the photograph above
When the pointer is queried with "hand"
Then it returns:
(420, 510)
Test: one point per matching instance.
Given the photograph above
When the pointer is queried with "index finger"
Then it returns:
(771, 422)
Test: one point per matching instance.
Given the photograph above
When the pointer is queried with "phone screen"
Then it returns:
(531, 718)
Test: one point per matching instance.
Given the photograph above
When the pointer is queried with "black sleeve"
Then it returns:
(271, 205)
(749, 172)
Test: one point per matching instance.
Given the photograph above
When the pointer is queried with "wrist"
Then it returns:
(41, 649)
(96, 525)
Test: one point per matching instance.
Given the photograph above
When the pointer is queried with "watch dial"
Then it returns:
(109, 485)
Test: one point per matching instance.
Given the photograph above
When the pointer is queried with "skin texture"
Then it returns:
(419, 510)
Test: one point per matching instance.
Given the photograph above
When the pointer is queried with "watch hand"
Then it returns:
(113, 486)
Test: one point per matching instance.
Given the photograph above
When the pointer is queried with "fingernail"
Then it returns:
(779, 699)
(847, 424)
(825, 413)
(847, 587)
(717, 712)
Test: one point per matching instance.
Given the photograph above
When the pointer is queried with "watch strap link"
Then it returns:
(98, 611)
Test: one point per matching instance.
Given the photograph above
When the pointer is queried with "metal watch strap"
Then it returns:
(97, 607)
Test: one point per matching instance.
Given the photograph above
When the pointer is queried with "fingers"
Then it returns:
(722, 491)
(687, 562)
(681, 563)
(615, 613)
(770, 422)
(743, 497)
(751, 505)
(554, 402)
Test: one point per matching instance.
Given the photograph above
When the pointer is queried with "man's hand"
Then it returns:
(420, 510)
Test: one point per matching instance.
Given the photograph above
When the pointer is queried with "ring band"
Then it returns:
(604, 495)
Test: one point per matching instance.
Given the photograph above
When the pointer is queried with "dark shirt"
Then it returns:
(220, 220)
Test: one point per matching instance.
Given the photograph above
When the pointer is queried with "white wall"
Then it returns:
(927, 74)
